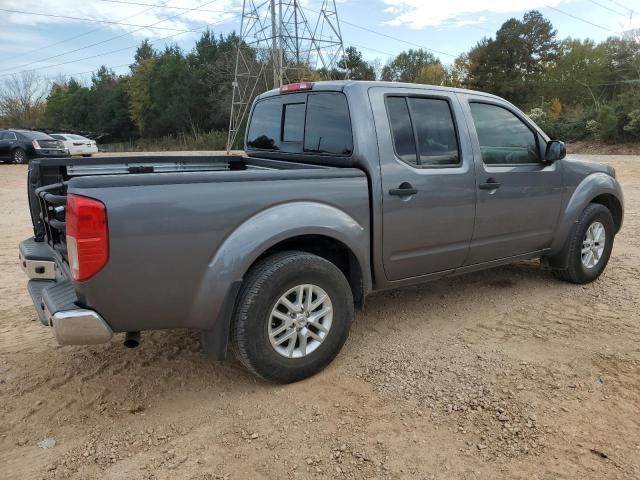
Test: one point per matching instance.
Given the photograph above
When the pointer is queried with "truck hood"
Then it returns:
(577, 164)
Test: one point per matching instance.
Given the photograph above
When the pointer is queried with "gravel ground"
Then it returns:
(505, 374)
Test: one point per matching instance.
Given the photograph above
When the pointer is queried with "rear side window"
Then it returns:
(310, 123)
(328, 128)
(504, 138)
(423, 130)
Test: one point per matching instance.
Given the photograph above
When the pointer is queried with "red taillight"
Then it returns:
(296, 87)
(87, 236)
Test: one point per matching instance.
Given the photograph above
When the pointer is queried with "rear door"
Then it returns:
(428, 181)
(519, 194)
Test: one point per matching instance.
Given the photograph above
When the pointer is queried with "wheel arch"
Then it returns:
(597, 188)
(614, 205)
(312, 227)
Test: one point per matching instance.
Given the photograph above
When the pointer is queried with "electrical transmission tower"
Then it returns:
(279, 44)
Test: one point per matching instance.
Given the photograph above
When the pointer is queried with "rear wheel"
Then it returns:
(588, 246)
(293, 315)
(19, 156)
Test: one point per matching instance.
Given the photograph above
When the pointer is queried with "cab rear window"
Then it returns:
(313, 123)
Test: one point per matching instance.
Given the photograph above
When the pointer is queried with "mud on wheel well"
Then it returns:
(332, 250)
(613, 204)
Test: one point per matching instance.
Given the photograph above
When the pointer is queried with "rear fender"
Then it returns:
(216, 296)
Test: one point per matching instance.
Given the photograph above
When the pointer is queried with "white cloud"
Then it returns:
(143, 15)
(422, 13)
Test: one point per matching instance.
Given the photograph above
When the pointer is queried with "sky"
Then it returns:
(75, 37)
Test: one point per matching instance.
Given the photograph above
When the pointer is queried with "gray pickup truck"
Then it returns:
(346, 188)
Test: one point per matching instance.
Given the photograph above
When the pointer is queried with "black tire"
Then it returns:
(19, 156)
(264, 284)
(87, 155)
(576, 271)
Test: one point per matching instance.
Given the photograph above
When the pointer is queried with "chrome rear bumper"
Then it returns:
(55, 298)
(78, 327)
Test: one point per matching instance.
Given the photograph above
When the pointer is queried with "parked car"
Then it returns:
(347, 188)
(77, 144)
(20, 146)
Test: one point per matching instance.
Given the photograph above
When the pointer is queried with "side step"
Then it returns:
(36, 260)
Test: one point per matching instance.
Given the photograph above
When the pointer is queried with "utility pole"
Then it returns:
(280, 35)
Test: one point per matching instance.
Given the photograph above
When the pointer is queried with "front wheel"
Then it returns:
(19, 156)
(293, 316)
(588, 246)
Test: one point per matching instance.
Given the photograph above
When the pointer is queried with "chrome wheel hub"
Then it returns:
(593, 245)
(300, 321)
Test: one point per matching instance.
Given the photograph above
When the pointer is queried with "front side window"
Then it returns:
(328, 126)
(504, 139)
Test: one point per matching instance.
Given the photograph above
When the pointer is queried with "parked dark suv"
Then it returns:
(21, 145)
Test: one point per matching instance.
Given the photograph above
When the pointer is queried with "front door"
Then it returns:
(428, 181)
(519, 194)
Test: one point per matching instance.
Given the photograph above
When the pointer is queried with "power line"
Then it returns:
(201, 30)
(608, 8)
(370, 30)
(68, 39)
(156, 5)
(621, 5)
(582, 19)
(92, 20)
(309, 10)
(105, 41)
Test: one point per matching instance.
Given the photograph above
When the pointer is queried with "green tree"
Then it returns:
(408, 66)
(512, 64)
(355, 66)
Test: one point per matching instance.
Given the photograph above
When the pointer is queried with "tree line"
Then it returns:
(574, 89)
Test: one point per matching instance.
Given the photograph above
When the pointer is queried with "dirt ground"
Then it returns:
(506, 374)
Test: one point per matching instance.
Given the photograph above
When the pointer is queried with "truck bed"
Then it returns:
(172, 222)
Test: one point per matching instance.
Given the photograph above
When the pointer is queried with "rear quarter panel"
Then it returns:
(178, 241)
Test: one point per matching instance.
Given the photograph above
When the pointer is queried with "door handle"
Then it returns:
(404, 190)
(491, 184)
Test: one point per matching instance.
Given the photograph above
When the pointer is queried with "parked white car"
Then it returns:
(77, 144)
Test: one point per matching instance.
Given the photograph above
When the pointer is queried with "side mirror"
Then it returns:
(555, 151)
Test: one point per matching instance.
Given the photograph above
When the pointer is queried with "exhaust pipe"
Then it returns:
(132, 339)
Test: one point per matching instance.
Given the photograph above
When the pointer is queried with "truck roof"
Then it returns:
(342, 85)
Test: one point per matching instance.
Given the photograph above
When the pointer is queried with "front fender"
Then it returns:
(590, 187)
(256, 235)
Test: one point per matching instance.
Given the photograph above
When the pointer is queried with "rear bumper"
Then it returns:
(55, 298)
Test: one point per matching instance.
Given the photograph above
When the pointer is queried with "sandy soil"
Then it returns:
(596, 148)
(506, 374)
